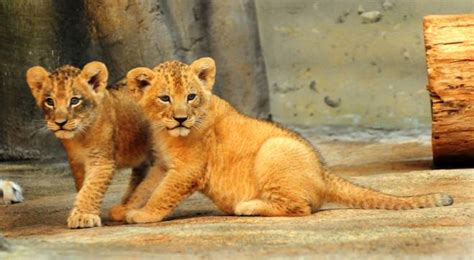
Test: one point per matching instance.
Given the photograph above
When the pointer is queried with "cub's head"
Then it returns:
(68, 96)
(174, 95)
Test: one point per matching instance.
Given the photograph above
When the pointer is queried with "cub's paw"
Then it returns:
(83, 220)
(117, 213)
(142, 216)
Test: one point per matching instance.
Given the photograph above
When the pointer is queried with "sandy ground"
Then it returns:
(397, 163)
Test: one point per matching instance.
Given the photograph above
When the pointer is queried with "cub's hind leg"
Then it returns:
(285, 173)
(117, 211)
(258, 207)
(138, 174)
(152, 177)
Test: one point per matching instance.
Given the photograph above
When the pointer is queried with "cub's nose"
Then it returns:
(61, 122)
(180, 119)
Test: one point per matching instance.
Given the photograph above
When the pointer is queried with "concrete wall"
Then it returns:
(330, 62)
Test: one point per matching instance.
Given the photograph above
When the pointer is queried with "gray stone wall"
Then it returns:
(46, 33)
(123, 34)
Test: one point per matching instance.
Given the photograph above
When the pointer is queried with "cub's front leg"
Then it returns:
(175, 187)
(86, 210)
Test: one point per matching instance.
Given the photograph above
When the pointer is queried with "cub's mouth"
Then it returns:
(179, 130)
(65, 133)
(176, 127)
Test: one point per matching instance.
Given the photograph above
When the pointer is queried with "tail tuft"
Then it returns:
(442, 199)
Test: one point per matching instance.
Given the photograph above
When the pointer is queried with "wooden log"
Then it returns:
(449, 42)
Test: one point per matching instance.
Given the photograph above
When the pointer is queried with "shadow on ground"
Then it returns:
(397, 164)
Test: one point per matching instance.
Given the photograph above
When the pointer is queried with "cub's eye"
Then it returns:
(164, 98)
(191, 97)
(75, 101)
(49, 102)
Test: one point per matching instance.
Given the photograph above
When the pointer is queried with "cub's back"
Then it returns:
(133, 135)
(237, 130)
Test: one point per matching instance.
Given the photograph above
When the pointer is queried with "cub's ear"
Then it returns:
(36, 77)
(205, 70)
(138, 79)
(96, 75)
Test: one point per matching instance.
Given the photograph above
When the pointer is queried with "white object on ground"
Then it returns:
(12, 192)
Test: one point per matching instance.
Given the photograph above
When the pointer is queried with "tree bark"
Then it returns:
(123, 34)
(43, 33)
(235, 45)
(146, 33)
(449, 42)
(130, 34)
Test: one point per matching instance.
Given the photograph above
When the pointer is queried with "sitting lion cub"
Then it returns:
(246, 166)
(101, 130)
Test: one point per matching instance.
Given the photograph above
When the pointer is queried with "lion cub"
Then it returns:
(101, 130)
(246, 166)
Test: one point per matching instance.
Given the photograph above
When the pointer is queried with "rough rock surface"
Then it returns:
(124, 35)
(389, 162)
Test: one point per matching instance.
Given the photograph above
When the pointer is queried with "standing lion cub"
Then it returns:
(246, 166)
(101, 130)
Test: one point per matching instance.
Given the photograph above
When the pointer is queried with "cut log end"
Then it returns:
(449, 44)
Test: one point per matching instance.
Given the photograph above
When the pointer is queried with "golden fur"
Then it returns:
(101, 131)
(244, 165)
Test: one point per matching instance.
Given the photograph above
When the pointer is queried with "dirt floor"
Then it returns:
(393, 162)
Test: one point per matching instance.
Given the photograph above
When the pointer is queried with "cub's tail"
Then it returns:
(344, 192)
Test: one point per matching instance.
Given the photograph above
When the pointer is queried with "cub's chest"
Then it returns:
(76, 152)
